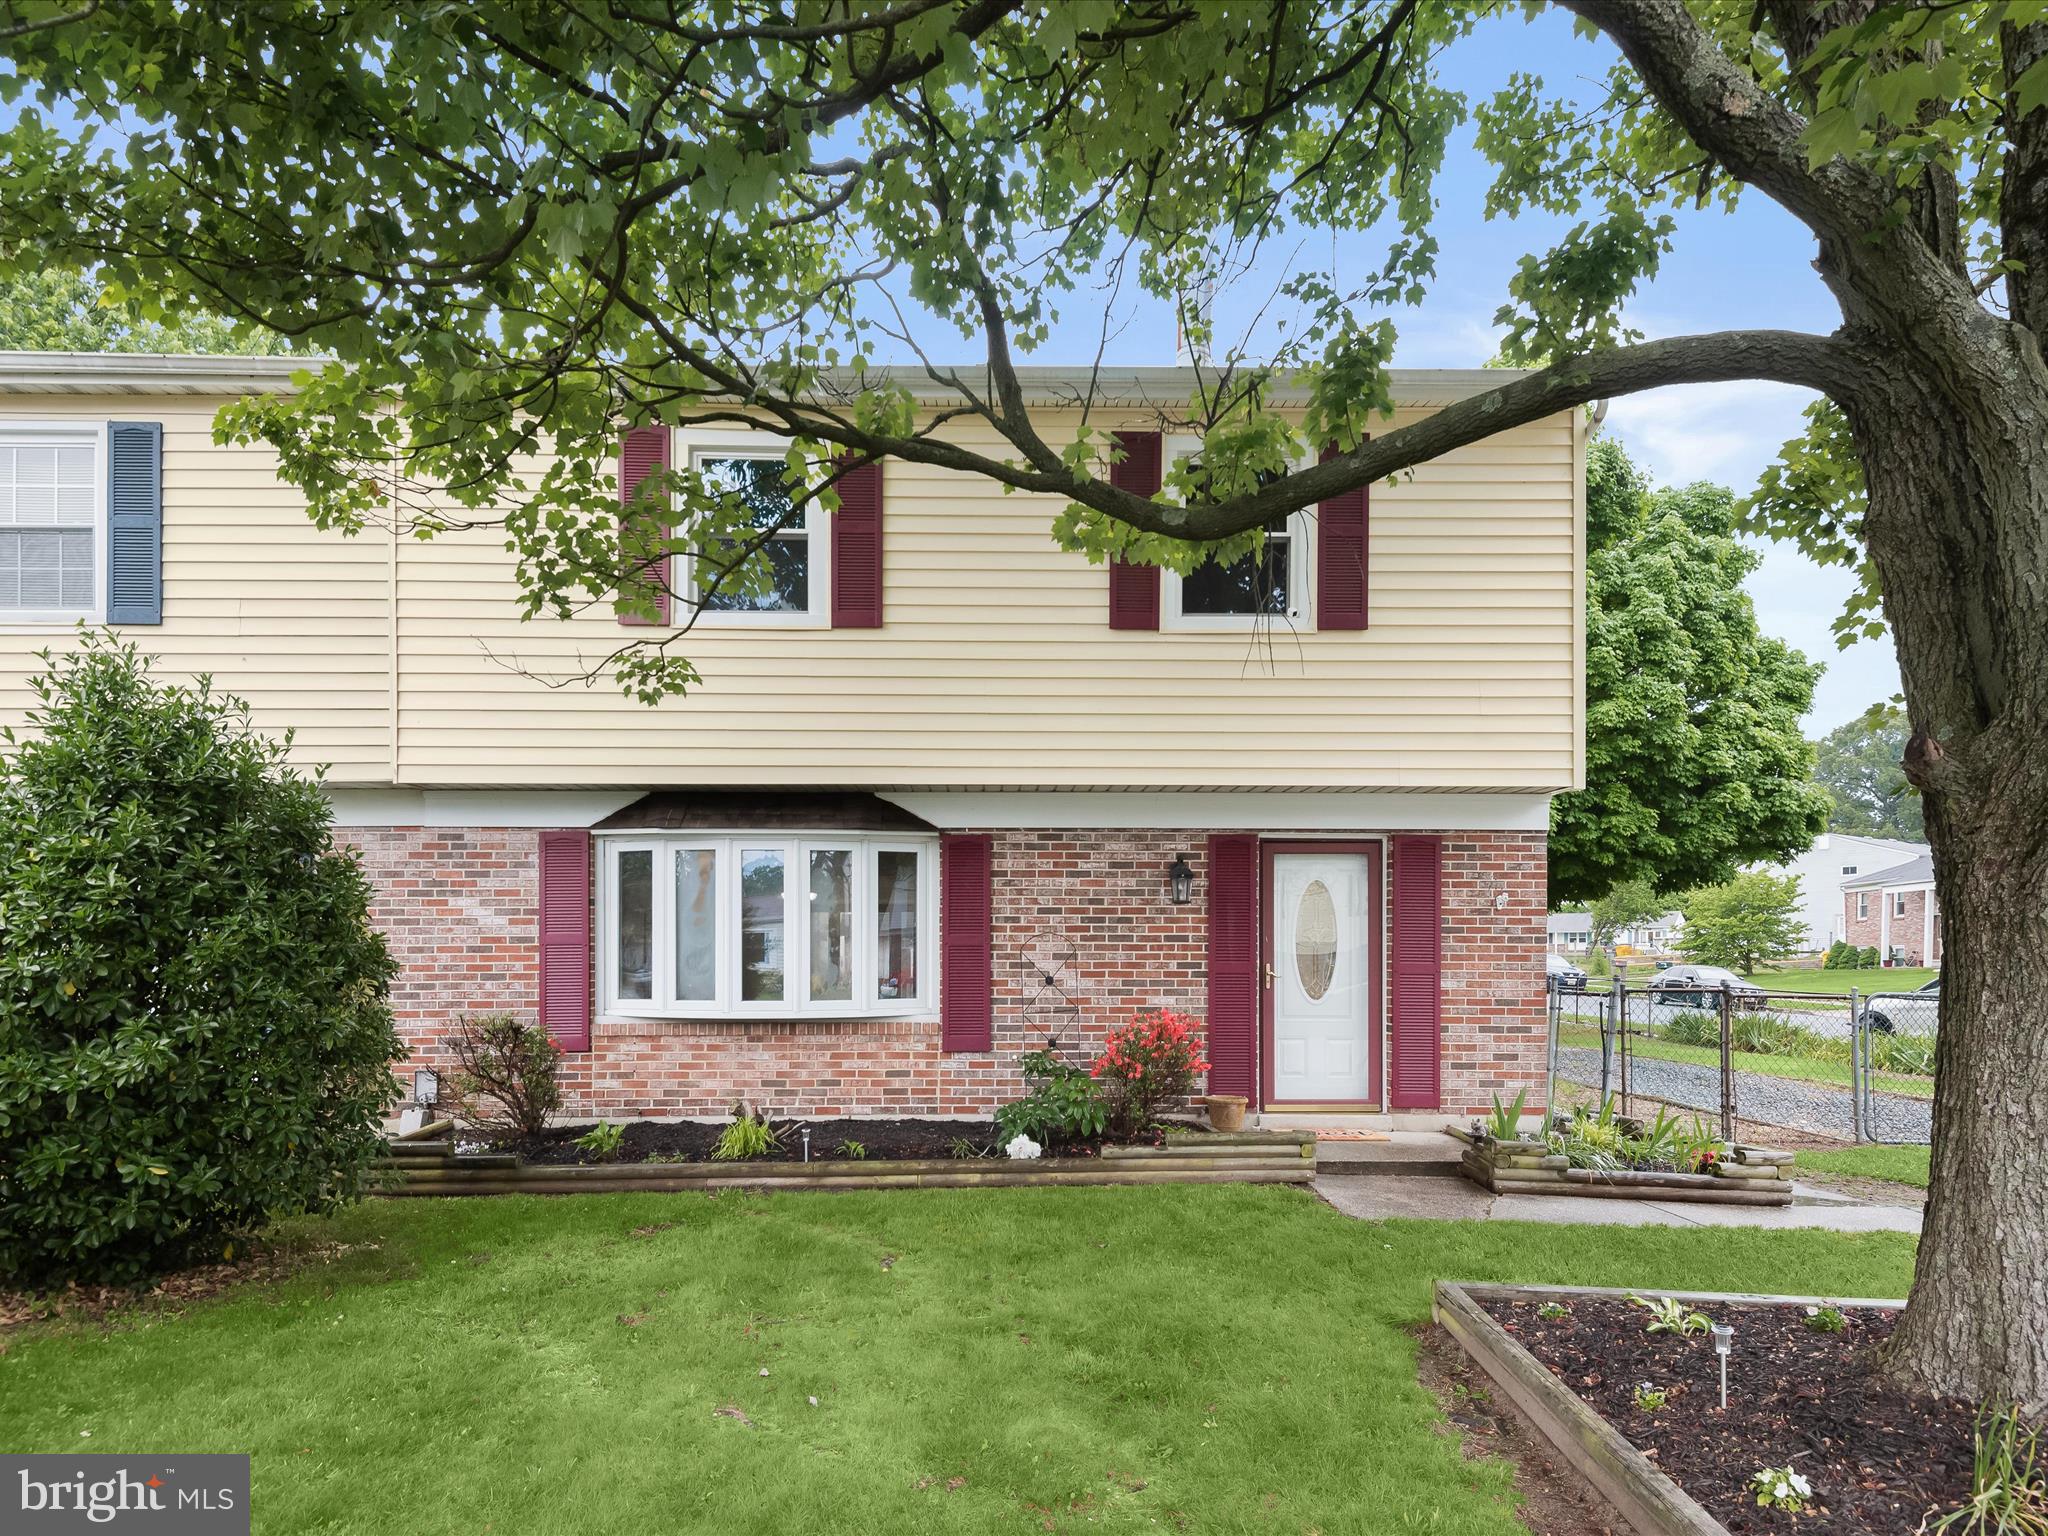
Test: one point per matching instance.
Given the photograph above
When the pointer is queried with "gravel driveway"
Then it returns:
(1816, 1108)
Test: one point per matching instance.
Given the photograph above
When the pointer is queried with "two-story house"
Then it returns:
(947, 791)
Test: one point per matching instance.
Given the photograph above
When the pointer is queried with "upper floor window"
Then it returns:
(1848, 869)
(822, 925)
(1269, 586)
(1863, 903)
(795, 549)
(52, 517)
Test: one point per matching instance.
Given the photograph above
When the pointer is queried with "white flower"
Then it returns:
(1022, 1146)
(1799, 1484)
(1813, 1311)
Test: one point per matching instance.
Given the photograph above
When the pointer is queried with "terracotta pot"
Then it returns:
(1226, 1111)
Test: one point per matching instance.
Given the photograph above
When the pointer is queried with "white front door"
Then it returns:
(1320, 979)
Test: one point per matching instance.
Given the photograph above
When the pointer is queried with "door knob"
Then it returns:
(1269, 973)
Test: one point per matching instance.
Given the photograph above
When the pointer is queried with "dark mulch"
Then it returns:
(261, 1263)
(689, 1142)
(1878, 1459)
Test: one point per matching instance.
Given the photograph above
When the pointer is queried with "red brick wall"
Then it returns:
(1090, 907)
(1907, 931)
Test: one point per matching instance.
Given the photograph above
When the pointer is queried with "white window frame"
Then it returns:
(1301, 569)
(1898, 903)
(66, 434)
(796, 849)
(691, 446)
(1862, 905)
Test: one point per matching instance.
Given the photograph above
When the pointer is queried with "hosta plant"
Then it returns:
(1670, 1315)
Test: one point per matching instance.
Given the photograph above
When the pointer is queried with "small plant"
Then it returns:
(1696, 1150)
(1693, 1028)
(1670, 1315)
(1065, 1103)
(748, 1136)
(1651, 1398)
(602, 1139)
(667, 1157)
(2008, 1483)
(1505, 1123)
(960, 1147)
(856, 1151)
(1826, 1319)
(1780, 1488)
(1550, 1311)
(507, 1074)
(1151, 1061)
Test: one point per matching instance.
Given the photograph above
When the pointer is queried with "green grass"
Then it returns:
(1901, 1165)
(1806, 1069)
(1222, 1358)
(1900, 978)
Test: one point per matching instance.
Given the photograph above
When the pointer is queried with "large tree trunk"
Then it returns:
(1957, 465)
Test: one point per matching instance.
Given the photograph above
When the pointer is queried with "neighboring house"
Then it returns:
(928, 808)
(1825, 870)
(1894, 912)
(1573, 932)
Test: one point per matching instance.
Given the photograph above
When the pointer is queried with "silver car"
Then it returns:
(1701, 986)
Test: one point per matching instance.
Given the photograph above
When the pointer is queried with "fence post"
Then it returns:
(1621, 1030)
(1727, 1072)
(1856, 1112)
(1607, 1023)
(1550, 1055)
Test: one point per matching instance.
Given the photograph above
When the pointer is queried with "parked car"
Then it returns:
(1916, 1009)
(1701, 986)
(1564, 976)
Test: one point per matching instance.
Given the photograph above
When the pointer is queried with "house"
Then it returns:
(1893, 911)
(953, 791)
(1825, 870)
(1573, 931)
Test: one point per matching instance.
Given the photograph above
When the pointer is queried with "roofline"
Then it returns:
(152, 373)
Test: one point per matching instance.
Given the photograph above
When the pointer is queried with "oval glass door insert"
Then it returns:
(1315, 940)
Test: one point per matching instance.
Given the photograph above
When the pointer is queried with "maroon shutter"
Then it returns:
(644, 451)
(1416, 1011)
(565, 938)
(1343, 524)
(1233, 964)
(1134, 589)
(857, 550)
(966, 943)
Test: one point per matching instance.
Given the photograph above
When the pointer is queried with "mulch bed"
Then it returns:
(1878, 1459)
(689, 1142)
(106, 1304)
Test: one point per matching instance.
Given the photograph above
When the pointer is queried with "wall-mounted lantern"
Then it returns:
(1180, 881)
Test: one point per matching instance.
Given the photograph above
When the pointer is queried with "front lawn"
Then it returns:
(1213, 1358)
(1900, 978)
(1809, 1069)
(1901, 1165)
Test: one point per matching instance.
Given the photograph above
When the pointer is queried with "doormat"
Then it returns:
(1352, 1136)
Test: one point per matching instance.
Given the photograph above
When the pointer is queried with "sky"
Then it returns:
(1750, 268)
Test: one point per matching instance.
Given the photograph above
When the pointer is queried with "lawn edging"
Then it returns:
(1755, 1176)
(1244, 1157)
(1651, 1503)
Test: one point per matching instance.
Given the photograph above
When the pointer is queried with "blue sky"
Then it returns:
(1752, 268)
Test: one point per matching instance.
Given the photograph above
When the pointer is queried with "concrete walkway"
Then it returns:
(1376, 1197)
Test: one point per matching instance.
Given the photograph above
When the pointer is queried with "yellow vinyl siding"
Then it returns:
(996, 666)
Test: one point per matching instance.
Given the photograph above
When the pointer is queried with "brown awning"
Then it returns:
(759, 810)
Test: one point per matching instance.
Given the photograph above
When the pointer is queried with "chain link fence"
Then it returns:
(1750, 1063)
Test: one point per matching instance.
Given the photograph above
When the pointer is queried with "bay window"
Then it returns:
(813, 925)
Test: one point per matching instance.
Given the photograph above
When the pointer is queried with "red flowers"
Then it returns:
(1154, 1058)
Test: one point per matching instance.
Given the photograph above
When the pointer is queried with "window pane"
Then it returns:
(1254, 584)
(696, 924)
(895, 925)
(761, 925)
(635, 907)
(760, 485)
(831, 925)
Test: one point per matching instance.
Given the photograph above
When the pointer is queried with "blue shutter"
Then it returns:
(135, 522)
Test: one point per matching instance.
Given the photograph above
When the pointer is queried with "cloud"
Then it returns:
(1721, 432)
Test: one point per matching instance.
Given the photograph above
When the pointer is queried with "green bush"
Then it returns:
(749, 1136)
(1065, 1104)
(1841, 956)
(194, 1034)
(1906, 1055)
(1597, 963)
(507, 1075)
(1693, 1028)
(1866, 958)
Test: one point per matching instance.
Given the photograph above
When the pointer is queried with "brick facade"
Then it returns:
(1908, 929)
(1084, 935)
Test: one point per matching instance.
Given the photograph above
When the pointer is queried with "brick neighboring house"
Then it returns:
(948, 791)
(1894, 912)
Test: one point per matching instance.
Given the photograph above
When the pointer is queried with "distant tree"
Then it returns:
(59, 311)
(1860, 766)
(1744, 923)
(1695, 762)
(1629, 903)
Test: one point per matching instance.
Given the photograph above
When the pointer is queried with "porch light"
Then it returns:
(426, 1087)
(1180, 880)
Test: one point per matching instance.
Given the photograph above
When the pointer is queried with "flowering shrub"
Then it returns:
(1151, 1061)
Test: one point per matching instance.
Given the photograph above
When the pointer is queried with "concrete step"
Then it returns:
(1404, 1154)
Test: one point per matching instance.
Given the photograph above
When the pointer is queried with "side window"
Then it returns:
(52, 523)
(796, 550)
